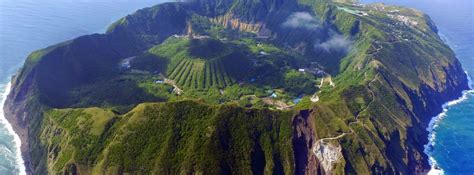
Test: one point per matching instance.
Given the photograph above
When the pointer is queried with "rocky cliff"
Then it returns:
(384, 73)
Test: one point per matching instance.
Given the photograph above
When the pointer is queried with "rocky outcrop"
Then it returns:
(240, 25)
(327, 154)
(303, 140)
(391, 86)
(21, 112)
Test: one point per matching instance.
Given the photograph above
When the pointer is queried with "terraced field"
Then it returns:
(201, 74)
(202, 64)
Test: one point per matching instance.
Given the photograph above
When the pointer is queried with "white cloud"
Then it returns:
(336, 42)
(301, 20)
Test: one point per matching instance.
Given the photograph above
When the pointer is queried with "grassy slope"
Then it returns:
(380, 88)
(382, 91)
(170, 138)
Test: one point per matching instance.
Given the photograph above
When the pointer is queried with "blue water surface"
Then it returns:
(27, 25)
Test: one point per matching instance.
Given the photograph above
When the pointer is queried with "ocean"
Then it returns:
(452, 132)
(28, 25)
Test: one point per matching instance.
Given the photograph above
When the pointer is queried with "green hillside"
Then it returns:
(238, 87)
(201, 64)
(170, 138)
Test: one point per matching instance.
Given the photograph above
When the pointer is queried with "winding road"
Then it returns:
(356, 117)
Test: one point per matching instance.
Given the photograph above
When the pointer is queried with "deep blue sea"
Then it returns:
(27, 25)
(452, 137)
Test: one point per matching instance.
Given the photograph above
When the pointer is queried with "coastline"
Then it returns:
(16, 138)
(434, 122)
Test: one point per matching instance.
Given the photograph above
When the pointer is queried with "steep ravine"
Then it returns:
(303, 140)
(372, 121)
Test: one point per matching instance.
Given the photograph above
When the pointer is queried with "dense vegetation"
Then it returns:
(171, 138)
(239, 87)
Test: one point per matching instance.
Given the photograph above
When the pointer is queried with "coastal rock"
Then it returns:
(388, 80)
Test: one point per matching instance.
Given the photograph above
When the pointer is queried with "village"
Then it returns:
(276, 98)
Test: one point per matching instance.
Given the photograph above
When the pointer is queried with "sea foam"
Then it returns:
(434, 123)
(16, 138)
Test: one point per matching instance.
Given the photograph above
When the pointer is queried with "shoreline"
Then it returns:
(434, 123)
(16, 138)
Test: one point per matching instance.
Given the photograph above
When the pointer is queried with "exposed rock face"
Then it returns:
(238, 24)
(17, 113)
(328, 154)
(303, 140)
(392, 87)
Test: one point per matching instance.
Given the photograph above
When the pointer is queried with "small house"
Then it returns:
(274, 95)
(126, 64)
(297, 100)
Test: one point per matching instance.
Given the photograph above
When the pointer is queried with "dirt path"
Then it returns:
(328, 79)
(314, 98)
(176, 89)
(356, 117)
(328, 153)
(321, 84)
(331, 83)
(278, 103)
